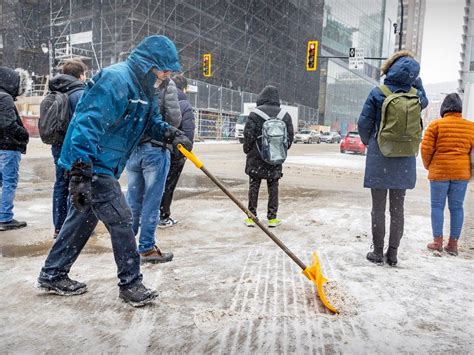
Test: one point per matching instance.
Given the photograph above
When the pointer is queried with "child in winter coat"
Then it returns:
(268, 101)
(445, 150)
(392, 175)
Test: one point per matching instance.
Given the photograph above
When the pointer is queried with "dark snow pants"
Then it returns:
(379, 202)
(254, 188)
(108, 205)
(176, 168)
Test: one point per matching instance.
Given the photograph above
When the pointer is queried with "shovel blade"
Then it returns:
(315, 274)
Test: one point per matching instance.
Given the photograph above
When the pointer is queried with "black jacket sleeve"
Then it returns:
(250, 133)
(289, 128)
(188, 122)
(10, 120)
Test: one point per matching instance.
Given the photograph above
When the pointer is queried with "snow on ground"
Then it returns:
(230, 289)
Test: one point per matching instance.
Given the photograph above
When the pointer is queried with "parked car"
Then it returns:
(307, 136)
(353, 143)
(330, 137)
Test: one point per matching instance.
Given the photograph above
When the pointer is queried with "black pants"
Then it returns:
(176, 167)
(254, 189)
(379, 202)
(109, 206)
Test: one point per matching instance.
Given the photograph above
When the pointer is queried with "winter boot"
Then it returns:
(63, 287)
(452, 247)
(274, 222)
(249, 222)
(391, 256)
(13, 224)
(437, 244)
(155, 256)
(375, 258)
(137, 295)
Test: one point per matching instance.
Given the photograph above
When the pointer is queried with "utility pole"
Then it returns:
(400, 33)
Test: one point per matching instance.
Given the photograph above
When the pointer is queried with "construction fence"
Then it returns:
(217, 109)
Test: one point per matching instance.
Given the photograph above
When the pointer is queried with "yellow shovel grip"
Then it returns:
(191, 156)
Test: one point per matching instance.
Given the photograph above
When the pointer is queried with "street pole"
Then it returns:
(400, 33)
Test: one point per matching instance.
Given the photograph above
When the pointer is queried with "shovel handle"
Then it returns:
(191, 156)
(272, 236)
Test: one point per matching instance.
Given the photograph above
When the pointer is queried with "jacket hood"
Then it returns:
(154, 52)
(401, 69)
(65, 83)
(269, 96)
(9, 81)
(451, 103)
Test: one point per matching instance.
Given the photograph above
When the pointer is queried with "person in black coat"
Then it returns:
(13, 140)
(70, 81)
(268, 101)
(177, 160)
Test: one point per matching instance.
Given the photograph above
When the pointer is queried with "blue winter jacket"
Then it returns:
(382, 172)
(118, 105)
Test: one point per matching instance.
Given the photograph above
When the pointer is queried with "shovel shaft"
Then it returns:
(255, 219)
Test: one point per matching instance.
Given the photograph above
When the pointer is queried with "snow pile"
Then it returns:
(340, 298)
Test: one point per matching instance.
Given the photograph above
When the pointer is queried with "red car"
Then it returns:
(353, 143)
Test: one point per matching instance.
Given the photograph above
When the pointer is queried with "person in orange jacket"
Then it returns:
(445, 150)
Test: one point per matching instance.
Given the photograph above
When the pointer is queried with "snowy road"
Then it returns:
(229, 289)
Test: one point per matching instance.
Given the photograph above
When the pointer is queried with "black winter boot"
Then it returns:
(63, 287)
(391, 256)
(137, 295)
(376, 256)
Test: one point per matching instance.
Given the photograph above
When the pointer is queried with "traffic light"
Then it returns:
(207, 65)
(312, 55)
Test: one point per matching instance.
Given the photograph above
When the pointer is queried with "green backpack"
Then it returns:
(400, 129)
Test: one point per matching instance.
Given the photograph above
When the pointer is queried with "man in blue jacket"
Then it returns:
(117, 108)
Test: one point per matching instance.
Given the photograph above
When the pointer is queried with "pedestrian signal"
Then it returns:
(312, 55)
(207, 65)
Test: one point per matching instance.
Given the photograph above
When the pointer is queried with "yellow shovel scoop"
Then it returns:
(312, 272)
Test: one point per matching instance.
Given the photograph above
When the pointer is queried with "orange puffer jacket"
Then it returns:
(446, 146)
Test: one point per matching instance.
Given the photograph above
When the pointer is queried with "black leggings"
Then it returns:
(379, 203)
(254, 188)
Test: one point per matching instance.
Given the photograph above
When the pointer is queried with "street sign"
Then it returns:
(356, 58)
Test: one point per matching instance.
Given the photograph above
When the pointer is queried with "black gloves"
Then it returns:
(174, 137)
(80, 185)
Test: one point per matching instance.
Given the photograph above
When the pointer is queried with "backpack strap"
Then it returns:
(261, 114)
(385, 90)
(281, 114)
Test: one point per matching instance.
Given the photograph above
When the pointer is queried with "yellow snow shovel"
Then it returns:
(312, 272)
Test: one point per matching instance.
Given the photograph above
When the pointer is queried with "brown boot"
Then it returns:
(452, 247)
(155, 256)
(437, 244)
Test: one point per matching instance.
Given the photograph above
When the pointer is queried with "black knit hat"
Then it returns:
(451, 103)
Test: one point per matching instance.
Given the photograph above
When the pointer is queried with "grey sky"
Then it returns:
(442, 40)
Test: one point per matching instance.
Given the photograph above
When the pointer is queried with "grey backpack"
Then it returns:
(274, 138)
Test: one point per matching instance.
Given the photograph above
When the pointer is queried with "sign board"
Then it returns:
(192, 88)
(81, 37)
(356, 58)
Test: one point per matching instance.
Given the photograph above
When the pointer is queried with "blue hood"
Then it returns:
(403, 72)
(153, 52)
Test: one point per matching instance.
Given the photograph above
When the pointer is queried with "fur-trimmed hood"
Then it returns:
(14, 82)
(388, 63)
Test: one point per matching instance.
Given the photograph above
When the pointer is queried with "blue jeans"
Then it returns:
(60, 192)
(455, 191)
(9, 167)
(147, 170)
(108, 205)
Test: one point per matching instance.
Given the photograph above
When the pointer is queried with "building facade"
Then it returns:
(253, 43)
(466, 81)
(413, 23)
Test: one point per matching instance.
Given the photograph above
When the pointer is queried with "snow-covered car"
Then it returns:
(353, 143)
(330, 137)
(307, 136)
